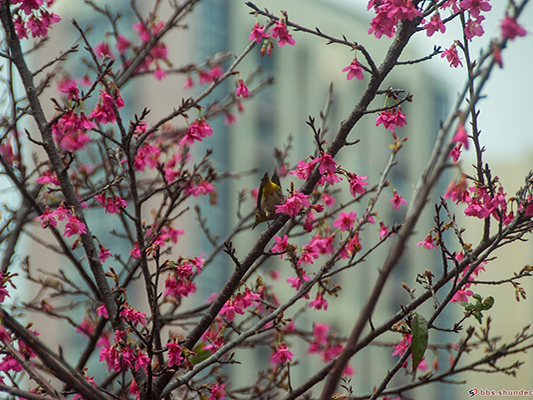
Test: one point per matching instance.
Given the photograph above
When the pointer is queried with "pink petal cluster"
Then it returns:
(35, 18)
(434, 25)
(196, 131)
(281, 355)
(391, 118)
(104, 112)
(281, 32)
(293, 204)
(258, 33)
(345, 220)
(388, 14)
(70, 131)
(452, 56)
(113, 204)
(397, 200)
(242, 89)
(511, 29)
(354, 70)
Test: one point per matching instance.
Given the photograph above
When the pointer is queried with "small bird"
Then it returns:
(268, 197)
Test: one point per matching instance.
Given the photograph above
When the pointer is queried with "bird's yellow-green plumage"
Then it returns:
(268, 197)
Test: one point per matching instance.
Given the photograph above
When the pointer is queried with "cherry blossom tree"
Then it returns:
(89, 160)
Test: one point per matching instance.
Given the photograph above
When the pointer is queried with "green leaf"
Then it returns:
(419, 342)
(201, 354)
(488, 303)
(478, 316)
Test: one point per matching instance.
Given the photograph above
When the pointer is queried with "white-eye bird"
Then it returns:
(268, 197)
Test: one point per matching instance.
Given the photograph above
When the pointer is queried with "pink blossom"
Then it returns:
(281, 32)
(74, 227)
(427, 243)
(86, 327)
(216, 392)
(281, 244)
(174, 354)
(189, 83)
(229, 119)
(381, 25)
(69, 87)
(304, 170)
(391, 118)
(142, 360)
(102, 50)
(473, 28)
(354, 70)
(403, 345)
(104, 254)
(474, 7)
(133, 316)
(135, 252)
(281, 355)
(242, 90)
(397, 200)
(296, 282)
(383, 230)
(327, 164)
(456, 152)
(122, 44)
(345, 220)
(319, 303)
(196, 131)
(511, 29)
(112, 358)
(434, 25)
(461, 295)
(159, 73)
(293, 204)
(142, 31)
(461, 135)
(451, 4)
(48, 177)
(328, 199)
(230, 308)
(102, 311)
(258, 34)
(452, 56)
(357, 184)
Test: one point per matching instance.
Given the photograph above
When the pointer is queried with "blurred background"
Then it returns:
(302, 78)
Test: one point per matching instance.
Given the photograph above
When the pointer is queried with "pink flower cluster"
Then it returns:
(391, 118)
(452, 56)
(70, 131)
(196, 131)
(113, 204)
(124, 355)
(479, 202)
(32, 17)
(402, 346)
(73, 225)
(464, 292)
(325, 347)
(388, 14)
(473, 26)
(132, 316)
(354, 70)
(104, 112)
(238, 303)
(8, 363)
(179, 282)
(282, 355)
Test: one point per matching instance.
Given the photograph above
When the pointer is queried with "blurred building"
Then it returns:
(303, 74)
